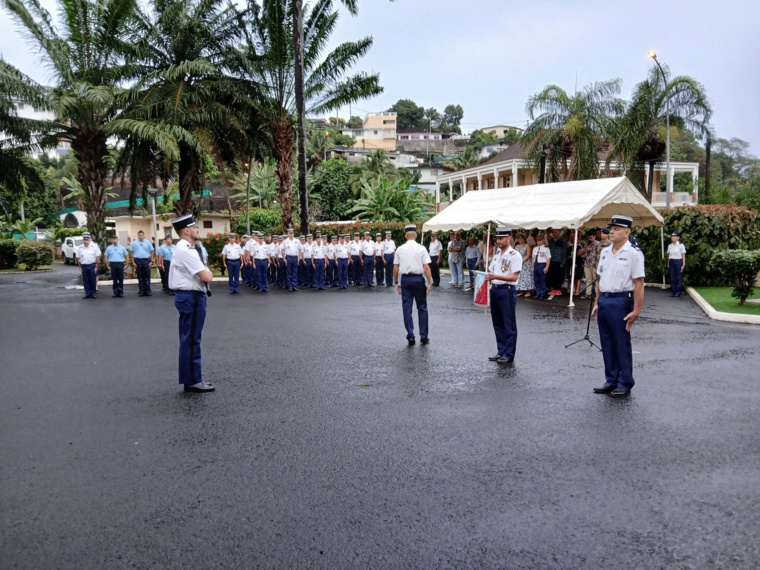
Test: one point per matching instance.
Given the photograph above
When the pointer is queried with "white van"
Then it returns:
(69, 247)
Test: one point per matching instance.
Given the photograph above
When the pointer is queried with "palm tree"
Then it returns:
(264, 187)
(369, 170)
(467, 159)
(185, 92)
(391, 200)
(639, 135)
(266, 63)
(87, 62)
(572, 129)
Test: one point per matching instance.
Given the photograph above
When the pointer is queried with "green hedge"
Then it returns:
(705, 230)
(214, 243)
(8, 257)
(35, 254)
(740, 269)
(261, 220)
(62, 233)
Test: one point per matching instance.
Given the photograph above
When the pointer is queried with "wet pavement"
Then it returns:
(331, 444)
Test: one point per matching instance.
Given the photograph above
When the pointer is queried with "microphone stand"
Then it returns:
(588, 323)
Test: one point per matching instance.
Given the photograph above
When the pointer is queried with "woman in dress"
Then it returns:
(525, 285)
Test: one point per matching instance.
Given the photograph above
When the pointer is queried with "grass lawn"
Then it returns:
(21, 268)
(721, 300)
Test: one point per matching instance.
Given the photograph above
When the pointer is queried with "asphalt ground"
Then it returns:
(331, 444)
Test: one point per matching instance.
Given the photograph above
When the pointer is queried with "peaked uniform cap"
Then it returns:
(621, 221)
(183, 222)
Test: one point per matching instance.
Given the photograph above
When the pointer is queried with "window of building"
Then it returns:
(167, 231)
(20, 106)
(374, 132)
(433, 172)
(404, 137)
(390, 122)
(208, 224)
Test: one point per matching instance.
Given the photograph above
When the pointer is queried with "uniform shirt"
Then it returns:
(186, 264)
(116, 253)
(341, 251)
(291, 247)
(88, 255)
(676, 250)
(259, 250)
(435, 248)
(354, 247)
(505, 262)
(368, 248)
(141, 249)
(411, 258)
(307, 250)
(378, 248)
(472, 252)
(319, 250)
(617, 271)
(331, 251)
(541, 254)
(232, 251)
(166, 251)
(389, 246)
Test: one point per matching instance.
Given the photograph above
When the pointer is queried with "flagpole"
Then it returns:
(488, 284)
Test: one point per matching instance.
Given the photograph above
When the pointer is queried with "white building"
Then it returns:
(28, 111)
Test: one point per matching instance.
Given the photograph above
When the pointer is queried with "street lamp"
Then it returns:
(668, 180)
(153, 193)
(248, 200)
(327, 136)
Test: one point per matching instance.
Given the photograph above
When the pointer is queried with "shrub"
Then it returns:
(705, 230)
(740, 269)
(34, 254)
(62, 233)
(214, 243)
(331, 189)
(8, 257)
(261, 219)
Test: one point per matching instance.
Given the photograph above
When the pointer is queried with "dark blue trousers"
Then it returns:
(539, 278)
(343, 272)
(261, 274)
(503, 302)
(233, 268)
(615, 340)
(308, 273)
(90, 279)
(143, 274)
(369, 268)
(332, 273)
(388, 269)
(282, 273)
(414, 290)
(292, 271)
(192, 314)
(357, 271)
(676, 277)
(117, 276)
(319, 273)
(379, 270)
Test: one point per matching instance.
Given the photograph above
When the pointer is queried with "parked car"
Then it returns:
(69, 247)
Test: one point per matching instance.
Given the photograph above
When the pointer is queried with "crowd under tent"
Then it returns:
(573, 205)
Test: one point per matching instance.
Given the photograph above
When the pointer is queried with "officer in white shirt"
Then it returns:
(260, 265)
(621, 295)
(231, 258)
(542, 259)
(318, 262)
(367, 254)
(189, 278)
(282, 264)
(355, 261)
(388, 249)
(87, 256)
(246, 243)
(434, 250)
(341, 257)
(379, 260)
(291, 251)
(503, 273)
(332, 264)
(676, 263)
(410, 263)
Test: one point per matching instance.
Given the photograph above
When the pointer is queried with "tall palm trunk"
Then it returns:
(282, 140)
(652, 164)
(300, 113)
(91, 151)
(189, 180)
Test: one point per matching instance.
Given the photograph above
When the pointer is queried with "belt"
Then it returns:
(617, 295)
(228, 259)
(411, 275)
(508, 285)
(193, 291)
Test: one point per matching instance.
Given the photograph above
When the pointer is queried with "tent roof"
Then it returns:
(558, 205)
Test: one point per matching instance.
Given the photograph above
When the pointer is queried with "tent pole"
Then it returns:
(488, 246)
(571, 281)
(662, 252)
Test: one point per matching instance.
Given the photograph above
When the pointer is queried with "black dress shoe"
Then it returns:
(411, 341)
(494, 358)
(620, 393)
(424, 341)
(148, 294)
(606, 389)
(200, 387)
(86, 297)
(114, 295)
(505, 360)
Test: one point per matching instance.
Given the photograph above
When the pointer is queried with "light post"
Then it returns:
(153, 193)
(248, 199)
(327, 136)
(668, 181)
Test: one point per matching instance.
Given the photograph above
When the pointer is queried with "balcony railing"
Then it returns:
(677, 199)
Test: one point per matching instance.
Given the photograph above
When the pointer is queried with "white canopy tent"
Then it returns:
(573, 205)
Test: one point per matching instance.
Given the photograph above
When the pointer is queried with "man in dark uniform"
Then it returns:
(618, 305)
(503, 272)
(188, 277)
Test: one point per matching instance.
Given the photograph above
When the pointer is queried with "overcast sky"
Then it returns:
(490, 55)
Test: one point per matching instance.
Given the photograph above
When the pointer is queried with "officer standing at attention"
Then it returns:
(379, 260)
(389, 248)
(676, 263)
(231, 254)
(143, 255)
(187, 278)
(246, 255)
(318, 259)
(367, 252)
(354, 250)
(116, 255)
(434, 250)
(164, 262)
(260, 262)
(618, 305)
(332, 265)
(341, 257)
(409, 264)
(87, 258)
(291, 250)
(503, 273)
